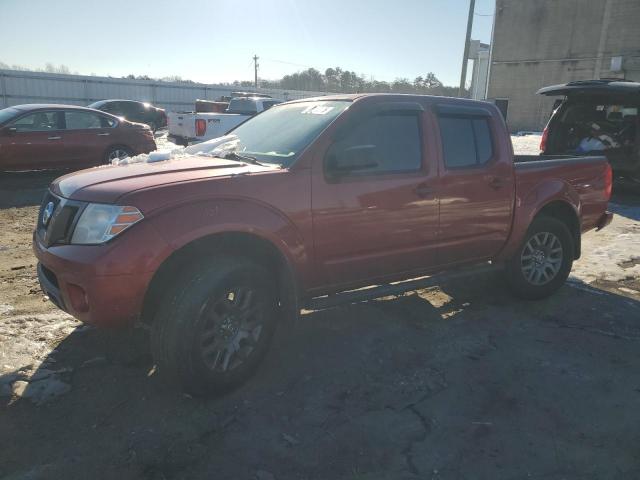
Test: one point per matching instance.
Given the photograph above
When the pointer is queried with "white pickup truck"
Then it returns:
(191, 127)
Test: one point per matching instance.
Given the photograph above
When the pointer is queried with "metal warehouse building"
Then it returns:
(544, 42)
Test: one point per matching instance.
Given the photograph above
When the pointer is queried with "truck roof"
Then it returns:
(398, 96)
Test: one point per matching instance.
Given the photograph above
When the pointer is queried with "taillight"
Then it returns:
(608, 181)
(201, 127)
(543, 140)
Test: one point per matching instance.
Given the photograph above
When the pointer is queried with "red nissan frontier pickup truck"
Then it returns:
(311, 198)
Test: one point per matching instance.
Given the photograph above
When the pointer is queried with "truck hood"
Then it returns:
(108, 183)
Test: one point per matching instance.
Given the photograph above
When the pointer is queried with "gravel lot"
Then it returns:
(456, 382)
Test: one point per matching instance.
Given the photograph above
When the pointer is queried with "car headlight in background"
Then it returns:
(99, 223)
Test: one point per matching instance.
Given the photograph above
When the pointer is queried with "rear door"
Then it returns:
(87, 137)
(476, 184)
(37, 142)
(381, 220)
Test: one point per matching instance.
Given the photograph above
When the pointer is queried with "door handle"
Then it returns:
(54, 138)
(497, 182)
(103, 134)
(423, 190)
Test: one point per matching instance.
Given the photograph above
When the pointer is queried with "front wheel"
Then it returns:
(543, 262)
(215, 324)
(116, 153)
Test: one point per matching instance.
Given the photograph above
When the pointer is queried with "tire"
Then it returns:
(118, 151)
(153, 126)
(543, 262)
(215, 325)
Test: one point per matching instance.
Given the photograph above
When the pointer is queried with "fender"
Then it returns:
(187, 222)
(530, 204)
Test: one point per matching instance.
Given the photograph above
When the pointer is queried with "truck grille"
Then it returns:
(56, 219)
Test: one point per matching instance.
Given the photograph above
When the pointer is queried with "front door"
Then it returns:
(35, 141)
(376, 215)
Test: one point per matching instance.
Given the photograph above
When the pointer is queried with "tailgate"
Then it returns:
(182, 124)
(219, 123)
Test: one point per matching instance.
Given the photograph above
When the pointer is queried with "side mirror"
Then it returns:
(8, 131)
(351, 159)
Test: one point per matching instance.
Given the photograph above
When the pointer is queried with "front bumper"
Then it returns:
(145, 147)
(102, 285)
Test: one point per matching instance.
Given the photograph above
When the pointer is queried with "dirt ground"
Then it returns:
(457, 382)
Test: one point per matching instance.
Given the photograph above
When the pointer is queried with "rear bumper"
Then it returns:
(180, 140)
(604, 220)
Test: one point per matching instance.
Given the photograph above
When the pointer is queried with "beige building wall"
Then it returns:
(544, 42)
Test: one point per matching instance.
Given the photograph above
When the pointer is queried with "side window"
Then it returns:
(77, 120)
(107, 107)
(466, 141)
(37, 122)
(107, 122)
(135, 109)
(384, 143)
(115, 108)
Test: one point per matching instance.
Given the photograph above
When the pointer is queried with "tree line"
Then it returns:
(335, 80)
(345, 81)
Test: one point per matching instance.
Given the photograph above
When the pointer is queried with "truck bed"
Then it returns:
(582, 178)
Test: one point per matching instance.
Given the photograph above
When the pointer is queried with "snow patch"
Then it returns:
(611, 253)
(216, 147)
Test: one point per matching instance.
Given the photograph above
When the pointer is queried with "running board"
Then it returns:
(395, 288)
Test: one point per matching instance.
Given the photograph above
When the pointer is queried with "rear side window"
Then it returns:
(466, 141)
(82, 120)
(395, 138)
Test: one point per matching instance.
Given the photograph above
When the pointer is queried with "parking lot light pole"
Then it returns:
(255, 70)
(463, 73)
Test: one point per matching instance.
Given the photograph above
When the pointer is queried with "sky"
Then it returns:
(214, 41)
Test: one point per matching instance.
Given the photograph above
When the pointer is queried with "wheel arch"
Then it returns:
(113, 146)
(249, 245)
(568, 215)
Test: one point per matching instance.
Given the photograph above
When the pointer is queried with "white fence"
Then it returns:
(17, 87)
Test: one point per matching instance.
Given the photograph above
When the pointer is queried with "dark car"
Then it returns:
(66, 136)
(133, 111)
(598, 116)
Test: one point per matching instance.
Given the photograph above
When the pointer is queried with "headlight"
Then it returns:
(100, 223)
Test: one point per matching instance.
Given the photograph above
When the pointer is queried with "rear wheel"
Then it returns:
(116, 153)
(153, 126)
(215, 325)
(543, 262)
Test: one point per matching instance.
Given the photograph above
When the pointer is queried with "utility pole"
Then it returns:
(463, 74)
(255, 70)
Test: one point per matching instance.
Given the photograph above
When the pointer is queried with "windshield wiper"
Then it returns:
(243, 158)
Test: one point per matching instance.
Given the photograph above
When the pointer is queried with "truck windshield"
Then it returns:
(278, 135)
